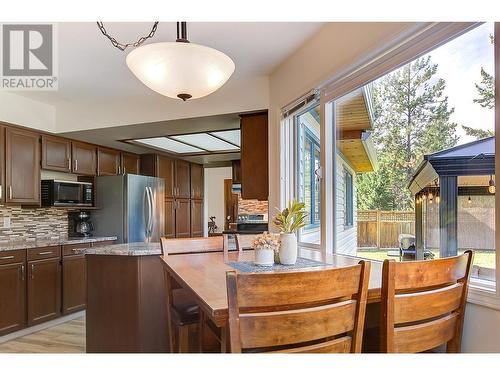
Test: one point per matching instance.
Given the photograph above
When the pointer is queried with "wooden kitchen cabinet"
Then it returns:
(196, 218)
(182, 179)
(129, 163)
(12, 291)
(56, 153)
(22, 166)
(108, 162)
(44, 290)
(162, 167)
(2, 164)
(197, 181)
(254, 157)
(182, 218)
(84, 158)
(74, 283)
(236, 164)
(169, 219)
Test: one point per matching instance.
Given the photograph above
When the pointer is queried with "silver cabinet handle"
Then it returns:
(45, 253)
(69, 163)
(32, 271)
(124, 170)
(1, 191)
(10, 192)
(119, 170)
(22, 272)
(7, 257)
(76, 164)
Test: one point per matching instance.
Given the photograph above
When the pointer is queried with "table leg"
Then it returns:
(224, 339)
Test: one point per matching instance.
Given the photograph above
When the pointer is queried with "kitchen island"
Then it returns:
(126, 299)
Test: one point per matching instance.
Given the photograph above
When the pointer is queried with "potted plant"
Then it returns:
(265, 245)
(289, 221)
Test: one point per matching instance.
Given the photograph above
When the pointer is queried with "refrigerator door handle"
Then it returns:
(146, 213)
(151, 211)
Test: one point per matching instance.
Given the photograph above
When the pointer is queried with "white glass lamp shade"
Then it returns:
(177, 69)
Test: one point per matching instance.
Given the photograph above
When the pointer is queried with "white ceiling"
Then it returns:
(91, 68)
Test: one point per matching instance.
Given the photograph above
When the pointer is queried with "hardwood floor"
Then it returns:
(67, 337)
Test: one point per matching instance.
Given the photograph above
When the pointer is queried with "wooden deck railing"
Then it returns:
(380, 229)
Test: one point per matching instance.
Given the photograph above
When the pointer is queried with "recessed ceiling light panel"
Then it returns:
(232, 136)
(206, 142)
(169, 145)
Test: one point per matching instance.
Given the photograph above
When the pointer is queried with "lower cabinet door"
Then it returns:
(12, 297)
(169, 218)
(44, 290)
(74, 284)
(196, 218)
(182, 218)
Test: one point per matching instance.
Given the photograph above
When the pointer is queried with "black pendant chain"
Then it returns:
(122, 46)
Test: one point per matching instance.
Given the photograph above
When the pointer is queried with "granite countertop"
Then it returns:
(124, 249)
(43, 242)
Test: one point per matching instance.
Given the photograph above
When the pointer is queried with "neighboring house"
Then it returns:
(355, 154)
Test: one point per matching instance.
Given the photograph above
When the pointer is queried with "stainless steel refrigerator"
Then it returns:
(131, 207)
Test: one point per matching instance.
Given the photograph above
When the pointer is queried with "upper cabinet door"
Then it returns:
(2, 164)
(254, 160)
(108, 162)
(56, 153)
(84, 157)
(130, 163)
(166, 170)
(182, 179)
(196, 181)
(22, 166)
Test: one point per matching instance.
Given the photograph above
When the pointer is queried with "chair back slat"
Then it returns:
(425, 336)
(312, 311)
(423, 303)
(413, 307)
(280, 289)
(296, 326)
(424, 274)
(244, 241)
(340, 345)
(172, 246)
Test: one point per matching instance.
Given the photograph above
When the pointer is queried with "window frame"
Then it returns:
(348, 203)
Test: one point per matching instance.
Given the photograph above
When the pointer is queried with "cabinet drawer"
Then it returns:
(69, 249)
(44, 252)
(13, 256)
(102, 243)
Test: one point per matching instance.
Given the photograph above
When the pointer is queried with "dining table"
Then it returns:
(204, 274)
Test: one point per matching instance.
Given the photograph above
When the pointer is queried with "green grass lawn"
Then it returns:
(481, 258)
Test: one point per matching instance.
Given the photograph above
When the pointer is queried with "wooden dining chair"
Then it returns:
(183, 311)
(423, 304)
(320, 311)
(243, 242)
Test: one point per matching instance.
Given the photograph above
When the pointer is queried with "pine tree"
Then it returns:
(411, 119)
(486, 90)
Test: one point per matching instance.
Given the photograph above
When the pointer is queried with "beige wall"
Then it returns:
(214, 194)
(17, 109)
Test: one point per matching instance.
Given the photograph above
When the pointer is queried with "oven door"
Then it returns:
(67, 193)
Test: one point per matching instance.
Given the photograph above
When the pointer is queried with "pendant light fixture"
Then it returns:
(180, 69)
(491, 185)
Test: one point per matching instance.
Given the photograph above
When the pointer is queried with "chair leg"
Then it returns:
(201, 333)
(183, 339)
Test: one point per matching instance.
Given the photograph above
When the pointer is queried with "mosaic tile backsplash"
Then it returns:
(33, 223)
(251, 206)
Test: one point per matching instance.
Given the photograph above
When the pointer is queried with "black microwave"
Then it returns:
(66, 193)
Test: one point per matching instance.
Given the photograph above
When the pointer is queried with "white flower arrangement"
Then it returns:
(267, 241)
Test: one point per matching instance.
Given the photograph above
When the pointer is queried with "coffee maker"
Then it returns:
(79, 224)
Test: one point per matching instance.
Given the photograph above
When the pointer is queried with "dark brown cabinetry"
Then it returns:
(182, 179)
(130, 163)
(236, 164)
(197, 181)
(183, 218)
(169, 219)
(12, 291)
(196, 218)
(74, 285)
(108, 162)
(22, 166)
(254, 157)
(84, 160)
(56, 153)
(2, 164)
(44, 290)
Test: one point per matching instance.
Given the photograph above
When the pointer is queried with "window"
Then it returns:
(420, 142)
(307, 130)
(349, 202)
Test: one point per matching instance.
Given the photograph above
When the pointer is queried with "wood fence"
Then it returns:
(380, 229)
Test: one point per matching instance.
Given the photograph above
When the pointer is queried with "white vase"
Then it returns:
(288, 248)
(264, 256)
